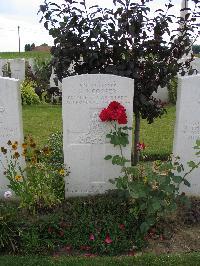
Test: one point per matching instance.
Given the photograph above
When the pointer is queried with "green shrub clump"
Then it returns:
(28, 93)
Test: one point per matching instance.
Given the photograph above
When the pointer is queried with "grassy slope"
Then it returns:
(40, 121)
(192, 259)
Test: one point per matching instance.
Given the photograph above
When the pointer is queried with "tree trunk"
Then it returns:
(135, 153)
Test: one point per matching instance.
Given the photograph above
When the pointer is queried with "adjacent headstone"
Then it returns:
(17, 67)
(162, 94)
(2, 63)
(187, 129)
(10, 120)
(84, 135)
(196, 64)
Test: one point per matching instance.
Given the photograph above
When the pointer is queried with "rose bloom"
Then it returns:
(114, 112)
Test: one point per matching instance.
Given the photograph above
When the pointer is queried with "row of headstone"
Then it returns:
(15, 66)
(84, 135)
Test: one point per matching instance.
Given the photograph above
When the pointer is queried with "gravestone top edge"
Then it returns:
(98, 75)
(10, 79)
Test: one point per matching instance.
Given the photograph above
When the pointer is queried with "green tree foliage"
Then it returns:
(27, 47)
(128, 40)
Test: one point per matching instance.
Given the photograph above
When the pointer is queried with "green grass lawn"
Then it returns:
(31, 54)
(40, 121)
(192, 259)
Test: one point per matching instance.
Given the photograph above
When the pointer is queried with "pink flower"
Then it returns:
(87, 248)
(108, 240)
(141, 146)
(122, 226)
(61, 233)
(92, 238)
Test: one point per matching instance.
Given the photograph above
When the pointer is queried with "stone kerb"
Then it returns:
(84, 135)
(187, 128)
(10, 120)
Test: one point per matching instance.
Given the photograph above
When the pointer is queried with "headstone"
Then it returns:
(196, 64)
(187, 129)
(2, 63)
(84, 135)
(31, 62)
(162, 94)
(10, 120)
(17, 67)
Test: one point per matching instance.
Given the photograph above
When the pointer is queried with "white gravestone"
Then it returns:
(17, 67)
(187, 129)
(84, 135)
(2, 63)
(10, 120)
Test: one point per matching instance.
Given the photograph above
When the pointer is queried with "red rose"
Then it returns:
(114, 112)
(105, 115)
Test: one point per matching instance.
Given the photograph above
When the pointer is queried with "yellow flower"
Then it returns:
(24, 145)
(14, 146)
(9, 142)
(3, 150)
(18, 177)
(24, 152)
(62, 172)
(33, 160)
(145, 179)
(16, 155)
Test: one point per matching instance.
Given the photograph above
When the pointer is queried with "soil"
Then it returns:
(184, 239)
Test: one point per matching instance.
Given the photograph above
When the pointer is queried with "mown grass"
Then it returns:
(40, 121)
(31, 54)
(159, 135)
(192, 259)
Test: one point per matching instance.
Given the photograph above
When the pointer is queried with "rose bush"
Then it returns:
(153, 192)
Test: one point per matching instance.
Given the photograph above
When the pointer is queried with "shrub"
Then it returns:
(28, 93)
(172, 89)
(97, 225)
(33, 185)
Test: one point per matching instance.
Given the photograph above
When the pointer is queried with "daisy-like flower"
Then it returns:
(62, 172)
(18, 178)
(7, 194)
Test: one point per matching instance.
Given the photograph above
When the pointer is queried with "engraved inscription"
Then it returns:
(99, 99)
(192, 130)
(96, 133)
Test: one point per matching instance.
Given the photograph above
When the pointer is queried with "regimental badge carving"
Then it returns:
(96, 133)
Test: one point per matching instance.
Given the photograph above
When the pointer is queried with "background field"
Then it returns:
(13, 55)
(40, 121)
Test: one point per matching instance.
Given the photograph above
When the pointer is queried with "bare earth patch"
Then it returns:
(184, 239)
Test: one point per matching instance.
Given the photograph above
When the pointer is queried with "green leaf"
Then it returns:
(198, 142)
(144, 227)
(192, 164)
(187, 183)
(108, 157)
(177, 179)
